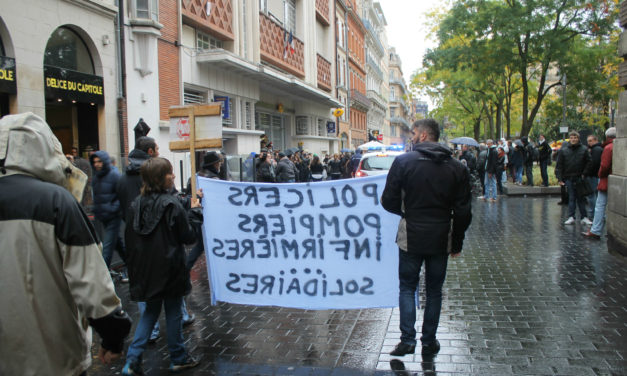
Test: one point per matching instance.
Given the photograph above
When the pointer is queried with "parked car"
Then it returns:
(376, 163)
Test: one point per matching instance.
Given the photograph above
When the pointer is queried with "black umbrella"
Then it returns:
(141, 129)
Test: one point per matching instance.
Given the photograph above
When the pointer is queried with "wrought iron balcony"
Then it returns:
(359, 100)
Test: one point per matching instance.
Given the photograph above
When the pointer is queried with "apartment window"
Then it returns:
(194, 97)
(322, 127)
(340, 33)
(247, 115)
(341, 71)
(290, 15)
(207, 42)
(147, 9)
(302, 125)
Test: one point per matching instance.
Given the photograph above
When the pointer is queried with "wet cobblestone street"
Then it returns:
(528, 296)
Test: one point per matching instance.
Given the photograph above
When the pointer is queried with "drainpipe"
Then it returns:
(347, 70)
(121, 95)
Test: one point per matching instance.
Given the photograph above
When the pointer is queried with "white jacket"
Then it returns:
(52, 274)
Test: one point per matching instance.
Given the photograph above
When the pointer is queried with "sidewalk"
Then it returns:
(529, 296)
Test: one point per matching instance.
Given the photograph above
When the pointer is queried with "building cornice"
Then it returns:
(99, 7)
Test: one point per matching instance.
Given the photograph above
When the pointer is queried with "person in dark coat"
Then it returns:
(490, 171)
(130, 183)
(481, 159)
(544, 153)
(157, 228)
(592, 172)
(500, 168)
(265, 169)
(355, 159)
(106, 202)
(318, 170)
(285, 170)
(517, 162)
(335, 167)
(430, 190)
(571, 164)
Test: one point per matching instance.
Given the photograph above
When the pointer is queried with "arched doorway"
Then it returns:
(73, 92)
(344, 141)
(8, 85)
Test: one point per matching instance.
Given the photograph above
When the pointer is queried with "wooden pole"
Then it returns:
(192, 148)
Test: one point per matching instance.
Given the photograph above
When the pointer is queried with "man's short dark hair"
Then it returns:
(145, 143)
(430, 126)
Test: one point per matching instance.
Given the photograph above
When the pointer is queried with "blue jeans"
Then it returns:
(543, 167)
(519, 171)
(110, 238)
(155, 329)
(409, 274)
(572, 198)
(490, 186)
(599, 214)
(592, 198)
(174, 323)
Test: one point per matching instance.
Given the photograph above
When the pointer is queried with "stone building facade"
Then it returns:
(617, 187)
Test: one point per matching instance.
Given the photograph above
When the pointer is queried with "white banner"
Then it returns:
(326, 245)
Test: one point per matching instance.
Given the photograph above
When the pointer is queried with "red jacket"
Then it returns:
(606, 165)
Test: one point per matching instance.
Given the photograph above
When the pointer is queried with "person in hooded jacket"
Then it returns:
(592, 171)
(106, 203)
(157, 228)
(431, 192)
(53, 277)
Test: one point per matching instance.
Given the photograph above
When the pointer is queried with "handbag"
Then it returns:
(582, 188)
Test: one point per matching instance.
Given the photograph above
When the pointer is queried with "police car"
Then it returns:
(376, 163)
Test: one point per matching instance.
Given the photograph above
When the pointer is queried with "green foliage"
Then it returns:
(503, 59)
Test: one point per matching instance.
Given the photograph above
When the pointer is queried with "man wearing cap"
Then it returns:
(604, 171)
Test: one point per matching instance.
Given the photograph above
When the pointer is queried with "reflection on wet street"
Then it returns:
(528, 296)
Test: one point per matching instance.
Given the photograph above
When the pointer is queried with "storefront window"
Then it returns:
(65, 49)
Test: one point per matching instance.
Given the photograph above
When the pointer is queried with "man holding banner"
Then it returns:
(430, 190)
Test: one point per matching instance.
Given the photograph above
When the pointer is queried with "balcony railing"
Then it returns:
(322, 12)
(373, 65)
(399, 120)
(374, 35)
(219, 20)
(377, 98)
(324, 73)
(273, 47)
(359, 100)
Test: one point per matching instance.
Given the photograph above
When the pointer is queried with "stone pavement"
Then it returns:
(529, 296)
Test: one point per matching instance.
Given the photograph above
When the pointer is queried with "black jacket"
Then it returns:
(491, 160)
(429, 189)
(285, 170)
(157, 227)
(129, 184)
(544, 150)
(572, 161)
(595, 160)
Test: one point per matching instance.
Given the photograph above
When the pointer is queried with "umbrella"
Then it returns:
(518, 143)
(345, 150)
(464, 141)
(372, 145)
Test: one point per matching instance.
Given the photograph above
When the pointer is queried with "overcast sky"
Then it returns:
(407, 30)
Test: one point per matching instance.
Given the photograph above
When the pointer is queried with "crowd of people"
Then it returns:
(149, 223)
(300, 166)
(581, 171)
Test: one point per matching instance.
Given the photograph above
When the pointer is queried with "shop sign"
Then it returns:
(226, 111)
(330, 127)
(67, 84)
(7, 75)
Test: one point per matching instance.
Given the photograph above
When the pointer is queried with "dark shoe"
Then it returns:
(190, 320)
(188, 362)
(402, 349)
(562, 203)
(589, 235)
(153, 338)
(431, 348)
